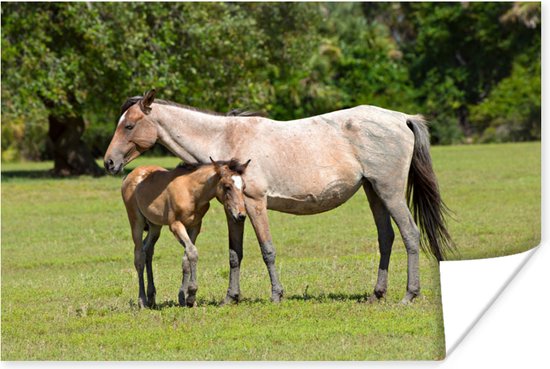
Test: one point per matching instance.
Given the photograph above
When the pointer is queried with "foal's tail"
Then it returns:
(429, 210)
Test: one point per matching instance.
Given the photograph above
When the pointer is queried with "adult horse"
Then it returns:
(305, 166)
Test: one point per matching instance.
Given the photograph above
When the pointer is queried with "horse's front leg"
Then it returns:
(192, 257)
(186, 267)
(235, 230)
(257, 212)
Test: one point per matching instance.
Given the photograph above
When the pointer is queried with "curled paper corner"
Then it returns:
(470, 287)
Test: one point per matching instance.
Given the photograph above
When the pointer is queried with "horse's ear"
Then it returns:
(145, 103)
(245, 165)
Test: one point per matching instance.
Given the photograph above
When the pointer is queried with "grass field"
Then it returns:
(69, 288)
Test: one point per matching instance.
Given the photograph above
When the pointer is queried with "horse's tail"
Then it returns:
(429, 210)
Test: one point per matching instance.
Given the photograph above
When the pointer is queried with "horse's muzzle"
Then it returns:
(111, 167)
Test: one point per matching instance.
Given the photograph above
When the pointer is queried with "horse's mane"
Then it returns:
(234, 165)
(232, 113)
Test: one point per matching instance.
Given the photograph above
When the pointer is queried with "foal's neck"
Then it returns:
(206, 181)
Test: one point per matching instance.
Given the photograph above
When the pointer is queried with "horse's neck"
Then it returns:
(188, 134)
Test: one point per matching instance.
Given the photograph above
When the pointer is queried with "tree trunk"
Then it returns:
(71, 155)
(464, 121)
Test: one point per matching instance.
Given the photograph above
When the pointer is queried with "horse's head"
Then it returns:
(134, 134)
(231, 187)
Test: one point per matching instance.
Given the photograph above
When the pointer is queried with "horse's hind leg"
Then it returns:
(392, 195)
(149, 248)
(385, 239)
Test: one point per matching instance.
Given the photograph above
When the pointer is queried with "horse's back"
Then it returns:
(315, 164)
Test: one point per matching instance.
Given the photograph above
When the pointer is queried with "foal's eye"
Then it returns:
(129, 127)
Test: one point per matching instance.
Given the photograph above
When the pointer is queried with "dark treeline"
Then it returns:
(473, 69)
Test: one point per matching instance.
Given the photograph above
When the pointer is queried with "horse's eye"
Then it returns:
(129, 127)
(226, 187)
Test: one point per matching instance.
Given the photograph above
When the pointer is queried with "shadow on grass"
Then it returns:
(321, 299)
(40, 174)
(28, 174)
(173, 304)
(330, 297)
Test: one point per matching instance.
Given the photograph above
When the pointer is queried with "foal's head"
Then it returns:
(134, 134)
(230, 190)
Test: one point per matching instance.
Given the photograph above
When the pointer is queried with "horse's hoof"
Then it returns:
(409, 297)
(230, 300)
(142, 303)
(276, 297)
(181, 298)
(372, 299)
(151, 301)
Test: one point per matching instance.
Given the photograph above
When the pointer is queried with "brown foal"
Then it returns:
(178, 198)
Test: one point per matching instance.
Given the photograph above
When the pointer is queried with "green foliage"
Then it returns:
(85, 58)
(512, 111)
(460, 52)
(452, 62)
(69, 287)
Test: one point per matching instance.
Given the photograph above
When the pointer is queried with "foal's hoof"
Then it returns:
(191, 302)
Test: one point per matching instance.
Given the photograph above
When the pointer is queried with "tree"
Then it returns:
(460, 52)
(74, 63)
(67, 67)
(44, 59)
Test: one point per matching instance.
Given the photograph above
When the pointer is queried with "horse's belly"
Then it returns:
(332, 195)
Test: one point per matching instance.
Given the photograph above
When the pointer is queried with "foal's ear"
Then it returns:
(217, 166)
(145, 103)
(245, 165)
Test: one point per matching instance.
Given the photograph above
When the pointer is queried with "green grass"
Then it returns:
(69, 289)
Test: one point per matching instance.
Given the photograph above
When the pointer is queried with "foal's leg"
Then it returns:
(385, 239)
(149, 249)
(397, 206)
(257, 212)
(186, 267)
(139, 257)
(192, 255)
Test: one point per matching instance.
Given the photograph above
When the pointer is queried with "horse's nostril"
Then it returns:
(109, 164)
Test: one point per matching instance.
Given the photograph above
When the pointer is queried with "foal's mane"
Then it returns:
(232, 113)
(234, 165)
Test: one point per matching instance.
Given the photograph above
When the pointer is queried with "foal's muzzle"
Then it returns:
(239, 218)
